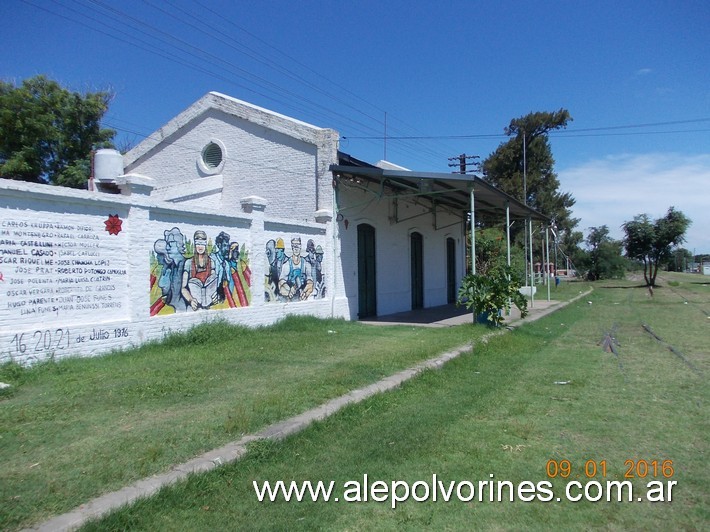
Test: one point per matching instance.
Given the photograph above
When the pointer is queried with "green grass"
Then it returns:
(74, 429)
(496, 411)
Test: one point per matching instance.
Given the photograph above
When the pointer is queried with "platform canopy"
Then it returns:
(461, 193)
(450, 190)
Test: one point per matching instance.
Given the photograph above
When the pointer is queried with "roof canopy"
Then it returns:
(452, 190)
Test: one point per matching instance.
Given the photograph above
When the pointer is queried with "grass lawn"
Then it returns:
(498, 412)
(78, 428)
(72, 430)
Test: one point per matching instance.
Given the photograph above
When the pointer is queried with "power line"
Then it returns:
(211, 58)
(561, 133)
(651, 124)
(634, 133)
(198, 59)
(340, 87)
(179, 50)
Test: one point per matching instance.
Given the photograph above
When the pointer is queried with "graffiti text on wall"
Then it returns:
(295, 276)
(196, 275)
(33, 346)
(52, 271)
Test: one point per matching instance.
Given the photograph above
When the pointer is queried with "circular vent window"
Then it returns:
(212, 155)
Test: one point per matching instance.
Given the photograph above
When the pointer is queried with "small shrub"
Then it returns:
(491, 293)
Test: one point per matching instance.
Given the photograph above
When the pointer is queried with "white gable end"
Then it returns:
(221, 150)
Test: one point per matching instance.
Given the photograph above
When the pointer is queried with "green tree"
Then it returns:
(538, 186)
(679, 260)
(652, 242)
(47, 132)
(491, 251)
(604, 260)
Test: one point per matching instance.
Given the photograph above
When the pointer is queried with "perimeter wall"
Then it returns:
(83, 273)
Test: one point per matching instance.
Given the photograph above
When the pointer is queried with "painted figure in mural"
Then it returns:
(233, 257)
(271, 281)
(240, 274)
(296, 280)
(225, 283)
(199, 278)
(170, 252)
(220, 279)
(318, 275)
(311, 253)
(281, 257)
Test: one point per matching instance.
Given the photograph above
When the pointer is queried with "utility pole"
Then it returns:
(525, 202)
(462, 161)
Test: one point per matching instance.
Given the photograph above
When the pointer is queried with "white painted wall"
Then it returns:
(280, 159)
(392, 242)
(71, 288)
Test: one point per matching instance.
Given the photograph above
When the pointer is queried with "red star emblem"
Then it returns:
(113, 224)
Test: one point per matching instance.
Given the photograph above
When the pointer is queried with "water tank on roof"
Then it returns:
(108, 165)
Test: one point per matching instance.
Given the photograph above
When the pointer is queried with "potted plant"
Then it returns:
(487, 295)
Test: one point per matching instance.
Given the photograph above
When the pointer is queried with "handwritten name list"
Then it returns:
(53, 271)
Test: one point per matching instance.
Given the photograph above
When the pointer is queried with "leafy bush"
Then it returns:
(491, 293)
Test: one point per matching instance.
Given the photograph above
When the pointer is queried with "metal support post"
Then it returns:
(547, 261)
(473, 235)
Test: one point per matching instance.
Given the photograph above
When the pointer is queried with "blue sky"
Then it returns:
(634, 75)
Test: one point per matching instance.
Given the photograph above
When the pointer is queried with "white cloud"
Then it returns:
(614, 189)
(643, 71)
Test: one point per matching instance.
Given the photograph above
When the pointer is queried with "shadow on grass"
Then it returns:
(627, 287)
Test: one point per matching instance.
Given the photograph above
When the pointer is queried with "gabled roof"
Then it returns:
(452, 190)
(233, 107)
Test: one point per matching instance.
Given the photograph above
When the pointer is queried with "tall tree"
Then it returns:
(531, 178)
(47, 132)
(652, 242)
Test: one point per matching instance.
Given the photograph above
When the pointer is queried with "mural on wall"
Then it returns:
(190, 275)
(294, 277)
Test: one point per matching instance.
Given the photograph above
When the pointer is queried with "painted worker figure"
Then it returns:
(296, 280)
(281, 257)
(199, 279)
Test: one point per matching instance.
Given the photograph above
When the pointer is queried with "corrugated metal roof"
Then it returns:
(452, 190)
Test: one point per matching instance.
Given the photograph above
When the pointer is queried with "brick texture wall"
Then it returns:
(80, 275)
